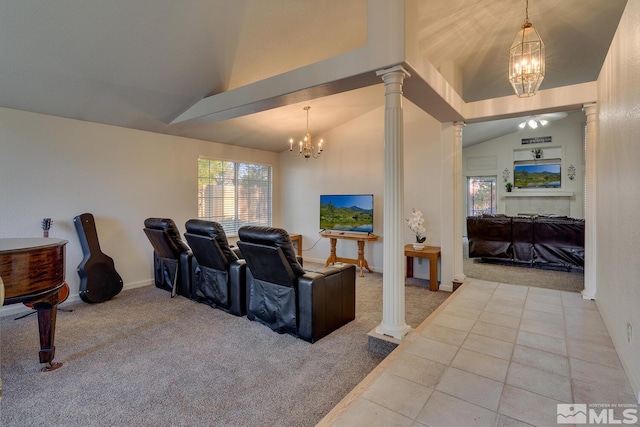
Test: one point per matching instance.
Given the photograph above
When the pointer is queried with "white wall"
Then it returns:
(352, 164)
(59, 168)
(618, 192)
(498, 154)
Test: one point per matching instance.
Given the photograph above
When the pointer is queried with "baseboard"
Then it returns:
(625, 358)
(13, 310)
(139, 284)
(20, 309)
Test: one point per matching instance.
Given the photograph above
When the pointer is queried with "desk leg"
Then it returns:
(433, 273)
(361, 261)
(332, 255)
(409, 266)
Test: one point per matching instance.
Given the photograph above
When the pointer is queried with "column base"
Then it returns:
(588, 295)
(397, 333)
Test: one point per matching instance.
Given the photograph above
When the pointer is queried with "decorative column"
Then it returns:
(393, 303)
(591, 192)
(458, 268)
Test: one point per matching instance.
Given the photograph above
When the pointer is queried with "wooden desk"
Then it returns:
(432, 253)
(360, 238)
(297, 238)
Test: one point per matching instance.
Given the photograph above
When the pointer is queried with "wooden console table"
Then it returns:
(297, 238)
(360, 238)
(430, 252)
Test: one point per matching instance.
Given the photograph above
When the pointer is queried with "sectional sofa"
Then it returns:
(542, 240)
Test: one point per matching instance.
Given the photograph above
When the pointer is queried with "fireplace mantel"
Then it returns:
(540, 193)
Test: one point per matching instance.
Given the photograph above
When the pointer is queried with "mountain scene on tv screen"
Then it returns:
(352, 218)
(537, 177)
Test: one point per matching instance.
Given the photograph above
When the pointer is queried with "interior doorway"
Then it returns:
(486, 170)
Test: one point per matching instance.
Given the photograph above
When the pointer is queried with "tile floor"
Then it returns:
(495, 355)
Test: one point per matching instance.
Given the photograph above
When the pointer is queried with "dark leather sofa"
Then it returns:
(219, 274)
(285, 297)
(544, 240)
(171, 257)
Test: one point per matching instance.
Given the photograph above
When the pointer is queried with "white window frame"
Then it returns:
(223, 198)
(493, 199)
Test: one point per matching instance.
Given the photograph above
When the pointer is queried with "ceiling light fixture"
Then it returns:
(533, 123)
(306, 148)
(526, 60)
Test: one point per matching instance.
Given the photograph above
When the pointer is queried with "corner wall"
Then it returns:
(618, 202)
(352, 163)
(58, 168)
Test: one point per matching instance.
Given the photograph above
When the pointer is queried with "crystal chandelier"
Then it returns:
(305, 147)
(526, 60)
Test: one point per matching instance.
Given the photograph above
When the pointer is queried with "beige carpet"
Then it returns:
(143, 359)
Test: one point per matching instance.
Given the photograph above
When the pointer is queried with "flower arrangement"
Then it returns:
(415, 223)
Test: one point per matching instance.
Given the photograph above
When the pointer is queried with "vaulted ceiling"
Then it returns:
(142, 63)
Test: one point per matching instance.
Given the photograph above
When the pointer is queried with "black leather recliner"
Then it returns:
(288, 299)
(171, 257)
(219, 274)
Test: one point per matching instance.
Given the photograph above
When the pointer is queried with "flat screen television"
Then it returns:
(347, 212)
(546, 175)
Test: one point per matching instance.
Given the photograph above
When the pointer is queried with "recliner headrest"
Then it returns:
(167, 224)
(212, 229)
(274, 237)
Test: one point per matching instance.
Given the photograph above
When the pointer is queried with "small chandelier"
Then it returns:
(306, 148)
(526, 60)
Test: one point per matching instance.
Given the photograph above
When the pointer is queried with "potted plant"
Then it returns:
(537, 153)
(415, 223)
(509, 187)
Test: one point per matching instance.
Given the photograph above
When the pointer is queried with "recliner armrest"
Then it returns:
(311, 306)
(187, 280)
(237, 287)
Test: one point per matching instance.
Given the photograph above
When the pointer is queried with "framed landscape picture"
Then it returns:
(537, 175)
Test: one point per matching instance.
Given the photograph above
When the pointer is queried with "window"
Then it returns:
(481, 195)
(234, 194)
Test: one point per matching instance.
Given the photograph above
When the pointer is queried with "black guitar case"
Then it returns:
(99, 280)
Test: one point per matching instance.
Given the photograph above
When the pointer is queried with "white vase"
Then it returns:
(418, 246)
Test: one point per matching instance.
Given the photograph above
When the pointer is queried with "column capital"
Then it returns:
(590, 109)
(398, 69)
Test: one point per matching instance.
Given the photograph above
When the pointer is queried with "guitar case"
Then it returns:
(99, 280)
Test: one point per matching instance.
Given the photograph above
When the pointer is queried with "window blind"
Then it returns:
(234, 194)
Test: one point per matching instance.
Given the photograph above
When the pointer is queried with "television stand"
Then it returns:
(334, 235)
